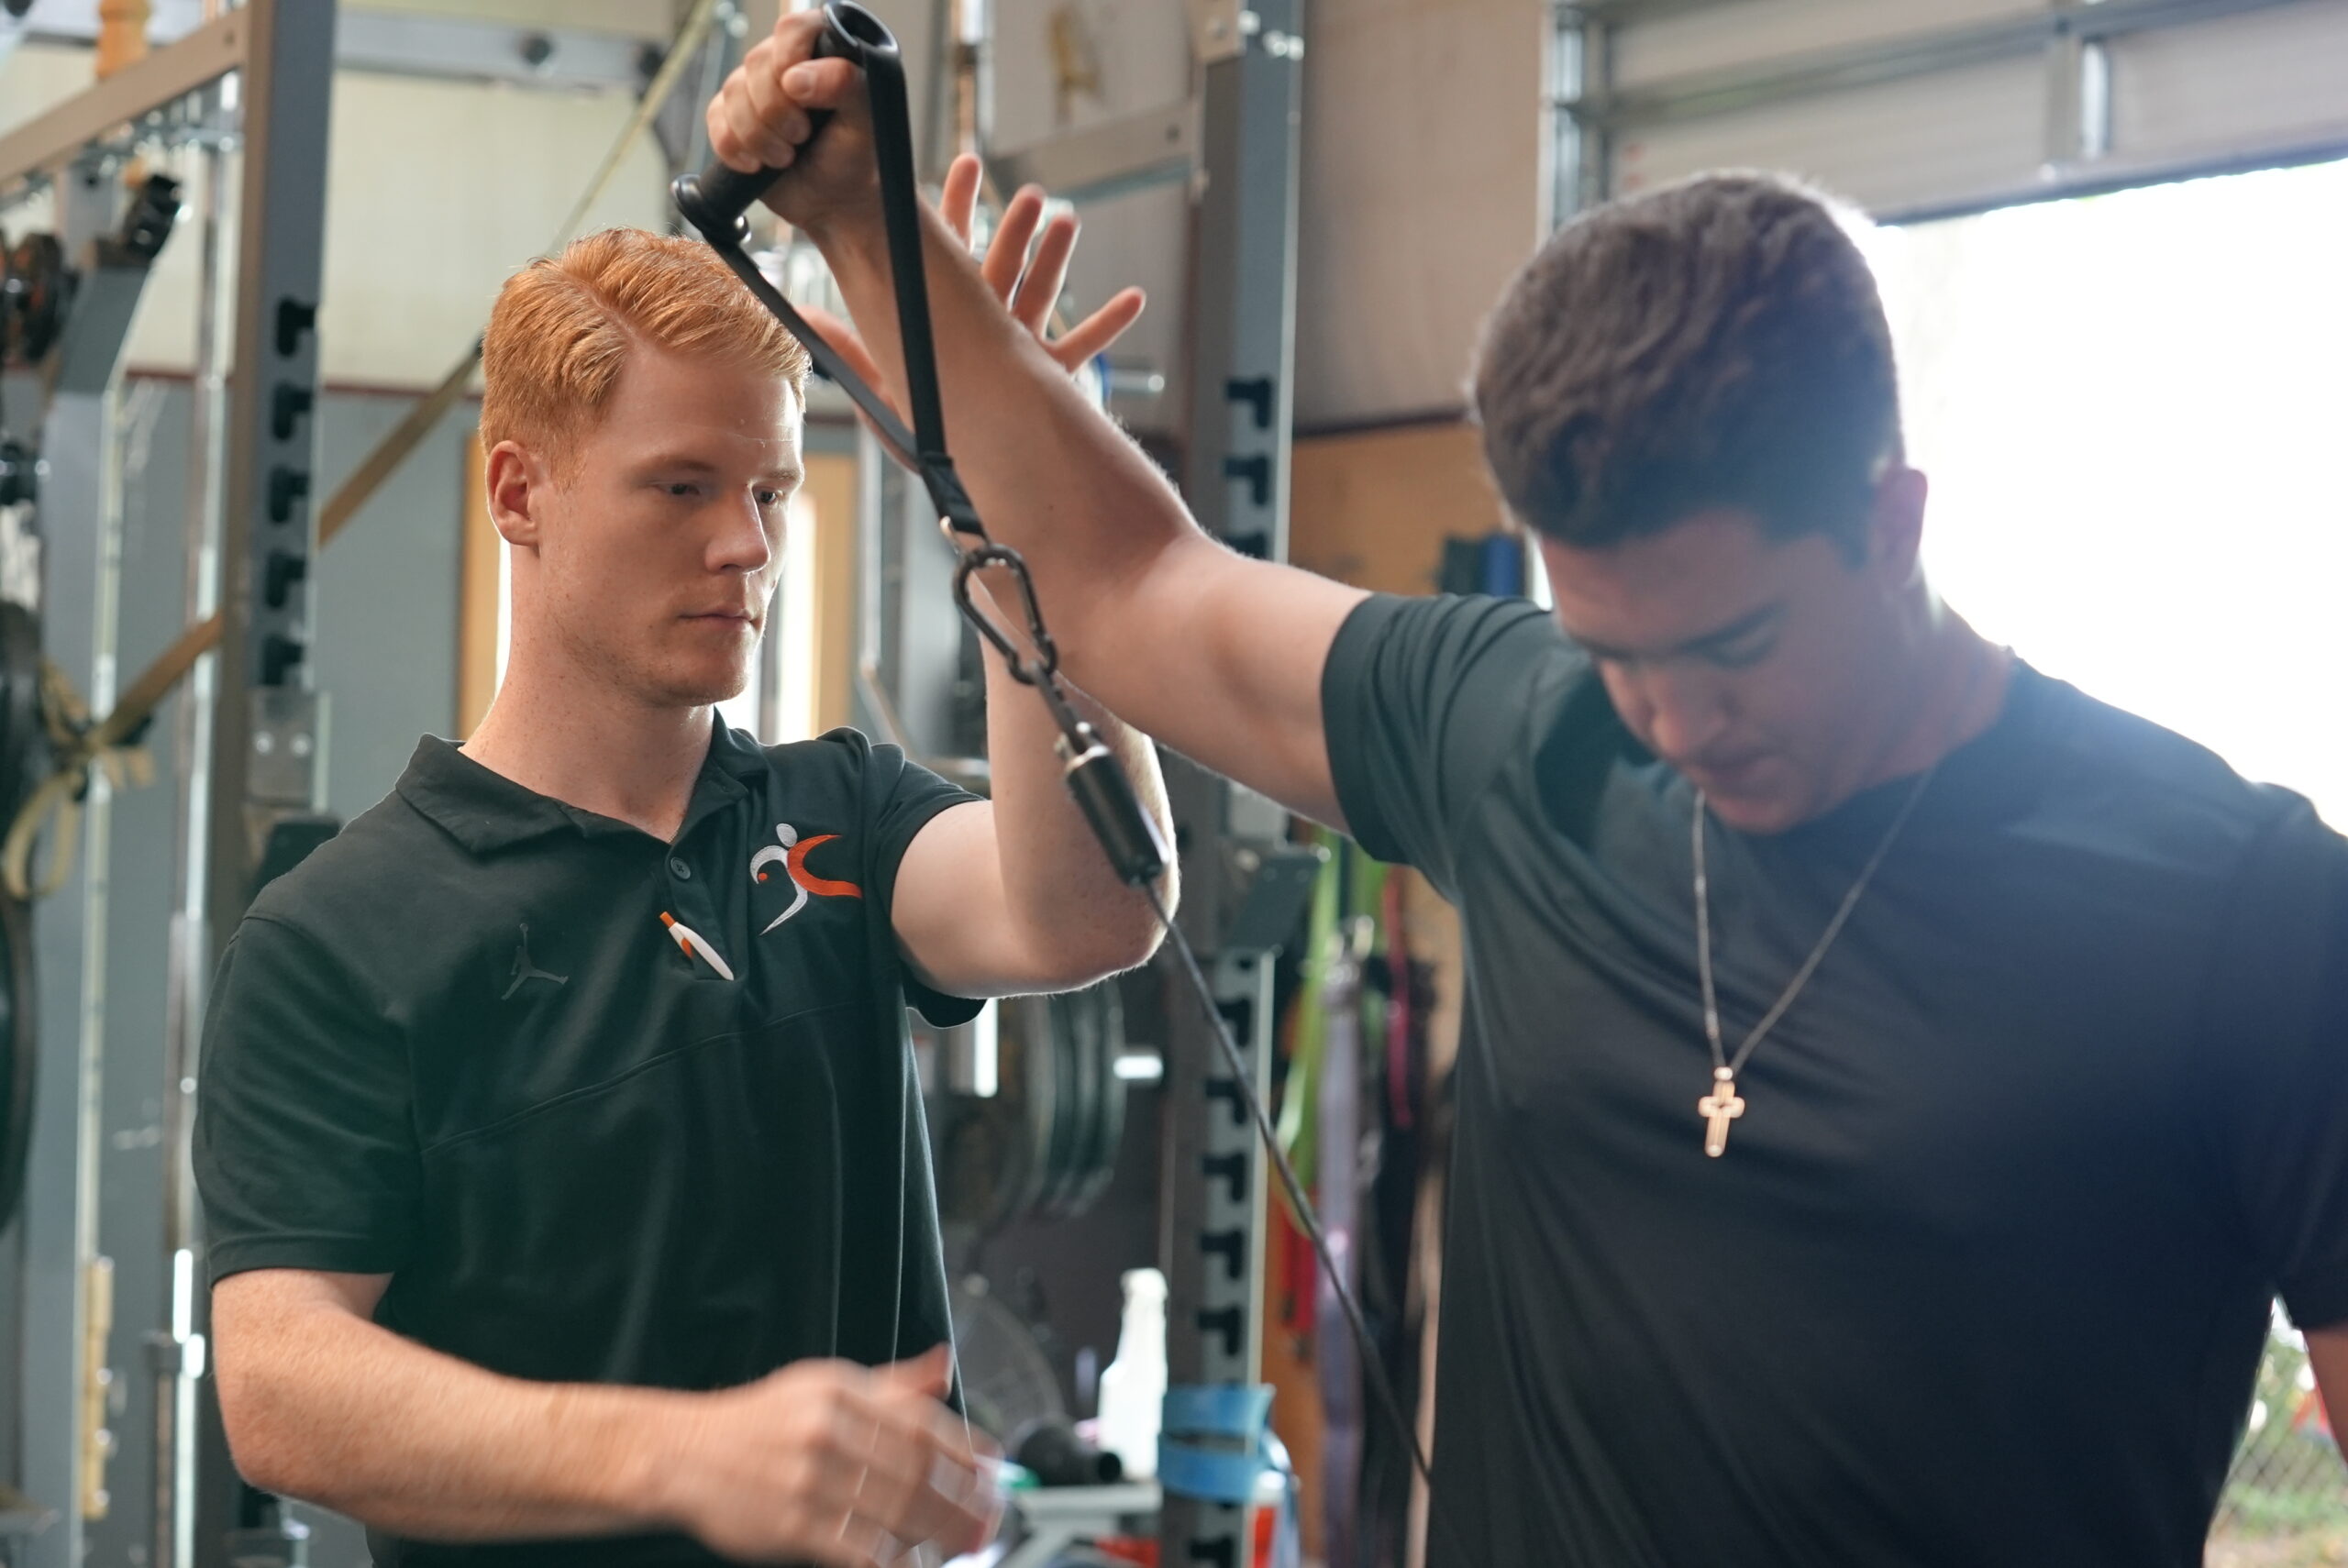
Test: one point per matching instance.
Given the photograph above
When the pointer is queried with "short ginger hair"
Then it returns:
(562, 326)
(1715, 343)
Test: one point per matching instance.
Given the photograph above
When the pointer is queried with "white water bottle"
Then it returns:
(1132, 1387)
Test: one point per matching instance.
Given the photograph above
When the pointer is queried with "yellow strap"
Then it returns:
(77, 746)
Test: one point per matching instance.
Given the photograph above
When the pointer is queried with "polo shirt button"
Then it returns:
(679, 870)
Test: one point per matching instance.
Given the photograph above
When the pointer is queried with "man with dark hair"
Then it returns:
(1742, 358)
(1894, 1085)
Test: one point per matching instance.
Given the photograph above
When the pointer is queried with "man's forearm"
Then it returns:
(1056, 878)
(354, 1417)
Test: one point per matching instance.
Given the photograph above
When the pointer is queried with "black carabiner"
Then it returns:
(1044, 668)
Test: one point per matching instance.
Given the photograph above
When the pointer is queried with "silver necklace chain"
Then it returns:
(1725, 1068)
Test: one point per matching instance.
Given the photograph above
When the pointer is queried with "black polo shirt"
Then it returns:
(1984, 1274)
(464, 1045)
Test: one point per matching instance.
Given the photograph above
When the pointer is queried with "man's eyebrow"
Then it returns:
(1742, 626)
(683, 461)
(782, 474)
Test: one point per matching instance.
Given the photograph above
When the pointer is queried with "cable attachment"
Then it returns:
(1104, 791)
(1040, 669)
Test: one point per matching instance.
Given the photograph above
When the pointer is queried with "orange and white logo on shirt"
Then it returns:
(791, 853)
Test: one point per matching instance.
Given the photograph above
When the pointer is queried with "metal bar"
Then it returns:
(444, 48)
(46, 144)
(1106, 160)
(1631, 12)
(1581, 151)
(1242, 359)
(267, 732)
(176, 1355)
(396, 43)
(1703, 94)
(1215, 1180)
(80, 508)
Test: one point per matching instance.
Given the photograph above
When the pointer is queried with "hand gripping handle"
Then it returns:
(716, 200)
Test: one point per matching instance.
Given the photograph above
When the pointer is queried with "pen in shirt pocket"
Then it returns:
(695, 944)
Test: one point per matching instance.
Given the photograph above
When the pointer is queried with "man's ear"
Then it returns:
(1896, 527)
(519, 488)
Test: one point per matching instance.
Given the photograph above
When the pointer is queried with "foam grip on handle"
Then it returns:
(1128, 835)
(715, 200)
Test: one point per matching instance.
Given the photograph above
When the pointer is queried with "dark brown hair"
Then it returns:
(1717, 343)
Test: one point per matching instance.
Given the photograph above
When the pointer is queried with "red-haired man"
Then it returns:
(560, 1149)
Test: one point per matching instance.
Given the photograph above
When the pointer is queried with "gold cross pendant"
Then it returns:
(1718, 1108)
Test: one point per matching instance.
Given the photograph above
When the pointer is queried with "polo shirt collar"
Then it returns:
(486, 811)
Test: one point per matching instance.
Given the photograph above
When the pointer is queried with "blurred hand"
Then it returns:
(831, 1462)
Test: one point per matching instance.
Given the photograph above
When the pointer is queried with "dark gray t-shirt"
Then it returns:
(1985, 1272)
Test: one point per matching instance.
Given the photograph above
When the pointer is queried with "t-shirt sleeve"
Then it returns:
(903, 796)
(1421, 701)
(2277, 1037)
(305, 1149)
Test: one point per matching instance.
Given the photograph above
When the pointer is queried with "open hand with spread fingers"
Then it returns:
(1027, 274)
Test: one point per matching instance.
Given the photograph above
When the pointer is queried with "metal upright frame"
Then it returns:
(1235, 470)
(268, 735)
(66, 1282)
(282, 54)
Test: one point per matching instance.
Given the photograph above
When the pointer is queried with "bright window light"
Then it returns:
(792, 626)
(2132, 409)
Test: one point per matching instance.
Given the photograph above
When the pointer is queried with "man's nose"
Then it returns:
(743, 543)
(1687, 713)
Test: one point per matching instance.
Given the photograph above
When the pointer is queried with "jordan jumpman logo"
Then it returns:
(525, 970)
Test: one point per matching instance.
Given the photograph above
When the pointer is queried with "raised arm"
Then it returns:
(1217, 656)
(822, 1461)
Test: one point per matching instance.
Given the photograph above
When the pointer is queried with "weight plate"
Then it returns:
(20, 1048)
(1045, 1142)
(24, 746)
(992, 1151)
(1072, 1025)
(36, 285)
(1103, 1019)
(24, 754)
(1070, 1105)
